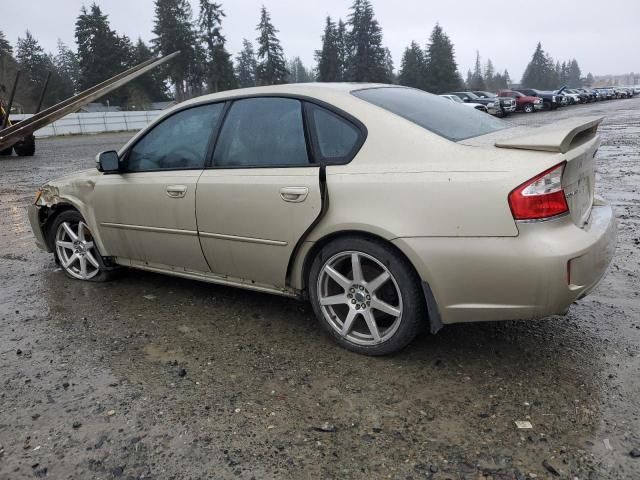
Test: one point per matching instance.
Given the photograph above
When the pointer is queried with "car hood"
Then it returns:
(88, 175)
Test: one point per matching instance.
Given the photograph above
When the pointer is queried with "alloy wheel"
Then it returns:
(76, 250)
(359, 298)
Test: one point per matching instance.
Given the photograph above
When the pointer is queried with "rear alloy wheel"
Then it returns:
(528, 108)
(75, 248)
(366, 296)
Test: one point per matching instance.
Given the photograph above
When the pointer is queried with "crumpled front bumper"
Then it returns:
(33, 212)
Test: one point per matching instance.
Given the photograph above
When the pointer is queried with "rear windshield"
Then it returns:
(450, 120)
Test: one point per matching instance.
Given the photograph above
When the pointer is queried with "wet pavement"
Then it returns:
(163, 378)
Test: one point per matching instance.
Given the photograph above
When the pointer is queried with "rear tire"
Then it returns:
(376, 311)
(75, 250)
(26, 148)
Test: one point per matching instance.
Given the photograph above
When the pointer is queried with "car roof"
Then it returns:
(319, 90)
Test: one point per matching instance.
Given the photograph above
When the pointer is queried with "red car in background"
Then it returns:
(524, 103)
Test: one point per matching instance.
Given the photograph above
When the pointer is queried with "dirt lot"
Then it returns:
(91, 383)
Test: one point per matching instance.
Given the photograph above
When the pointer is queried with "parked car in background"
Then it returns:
(549, 99)
(607, 93)
(591, 96)
(295, 190)
(456, 99)
(507, 104)
(493, 106)
(573, 98)
(524, 103)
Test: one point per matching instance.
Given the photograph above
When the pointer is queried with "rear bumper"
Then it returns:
(34, 219)
(513, 278)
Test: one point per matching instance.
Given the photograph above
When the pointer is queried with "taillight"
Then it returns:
(541, 197)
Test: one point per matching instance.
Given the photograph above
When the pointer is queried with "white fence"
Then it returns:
(79, 123)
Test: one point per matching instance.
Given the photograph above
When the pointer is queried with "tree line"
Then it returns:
(351, 50)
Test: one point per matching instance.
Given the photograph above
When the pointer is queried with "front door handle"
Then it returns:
(176, 191)
(294, 194)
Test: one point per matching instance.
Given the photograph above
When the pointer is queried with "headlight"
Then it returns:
(553, 99)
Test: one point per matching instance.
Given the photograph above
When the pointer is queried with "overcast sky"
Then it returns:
(603, 37)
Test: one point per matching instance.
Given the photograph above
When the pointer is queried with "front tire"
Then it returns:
(75, 250)
(528, 108)
(366, 295)
(26, 148)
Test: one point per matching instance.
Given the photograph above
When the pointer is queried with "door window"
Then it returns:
(178, 142)
(336, 137)
(262, 132)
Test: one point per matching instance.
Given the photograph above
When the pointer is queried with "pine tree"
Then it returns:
(574, 74)
(272, 68)
(477, 80)
(412, 68)
(367, 59)
(506, 78)
(67, 65)
(589, 80)
(540, 72)
(148, 88)
(343, 52)
(469, 80)
(174, 31)
(328, 58)
(298, 73)
(490, 76)
(246, 65)
(219, 68)
(5, 46)
(441, 72)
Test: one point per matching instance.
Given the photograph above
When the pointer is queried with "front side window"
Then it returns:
(438, 115)
(262, 132)
(178, 142)
(337, 138)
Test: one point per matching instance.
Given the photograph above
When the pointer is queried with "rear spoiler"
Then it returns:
(20, 130)
(556, 137)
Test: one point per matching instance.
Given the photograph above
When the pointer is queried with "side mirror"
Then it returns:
(108, 162)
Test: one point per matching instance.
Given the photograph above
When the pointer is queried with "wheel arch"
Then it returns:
(308, 256)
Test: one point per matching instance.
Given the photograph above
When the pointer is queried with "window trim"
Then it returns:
(313, 129)
(315, 158)
(124, 160)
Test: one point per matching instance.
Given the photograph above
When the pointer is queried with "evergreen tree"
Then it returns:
(343, 52)
(412, 68)
(490, 76)
(67, 65)
(219, 67)
(588, 81)
(574, 74)
(5, 46)
(272, 68)
(441, 72)
(298, 73)
(148, 88)
(469, 80)
(246, 65)
(367, 59)
(540, 72)
(328, 58)
(477, 80)
(173, 31)
(506, 78)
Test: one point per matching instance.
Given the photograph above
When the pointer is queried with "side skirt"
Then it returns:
(210, 278)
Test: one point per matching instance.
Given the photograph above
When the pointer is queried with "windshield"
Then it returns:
(431, 112)
(455, 98)
(486, 94)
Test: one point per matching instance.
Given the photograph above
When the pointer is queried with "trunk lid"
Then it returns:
(578, 141)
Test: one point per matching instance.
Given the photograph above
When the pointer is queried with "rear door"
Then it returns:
(262, 192)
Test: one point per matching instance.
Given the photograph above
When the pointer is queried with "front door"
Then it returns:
(262, 193)
(147, 213)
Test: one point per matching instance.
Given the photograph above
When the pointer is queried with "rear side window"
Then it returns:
(262, 132)
(438, 115)
(336, 137)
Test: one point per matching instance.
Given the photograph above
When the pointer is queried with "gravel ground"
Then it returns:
(163, 378)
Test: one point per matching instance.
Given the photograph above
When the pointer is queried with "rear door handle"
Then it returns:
(294, 194)
(176, 191)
